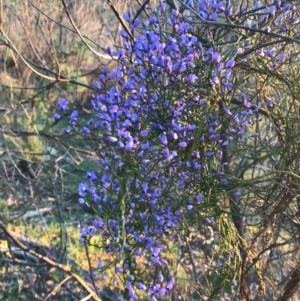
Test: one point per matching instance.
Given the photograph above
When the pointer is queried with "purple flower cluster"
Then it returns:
(160, 132)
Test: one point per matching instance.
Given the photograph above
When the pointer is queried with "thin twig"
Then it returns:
(232, 25)
(62, 267)
(81, 36)
(58, 286)
(139, 11)
(119, 17)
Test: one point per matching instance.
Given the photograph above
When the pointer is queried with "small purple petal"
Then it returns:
(230, 64)
(163, 139)
(227, 112)
(269, 52)
(56, 117)
(81, 201)
(86, 131)
(170, 284)
(280, 57)
(144, 133)
(228, 85)
(83, 189)
(219, 264)
(270, 103)
(129, 146)
(112, 139)
(216, 57)
(214, 81)
(182, 144)
(191, 78)
(63, 104)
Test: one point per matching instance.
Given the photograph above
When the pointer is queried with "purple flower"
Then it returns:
(216, 57)
(97, 125)
(199, 197)
(81, 201)
(86, 131)
(163, 261)
(224, 181)
(237, 193)
(227, 74)
(171, 155)
(190, 57)
(182, 144)
(163, 139)
(162, 291)
(272, 10)
(83, 189)
(208, 154)
(141, 286)
(56, 117)
(112, 139)
(102, 78)
(286, 7)
(162, 8)
(119, 269)
(91, 175)
(269, 52)
(213, 16)
(227, 112)
(191, 78)
(63, 104)
(170, 284)
(96, 85)
(228, 85)
(121, 144)
(126, 123)
(228, 11)
(156, 287)
(129, 146)
(270, 103)
(259, 51)
(254, 24)
(230, 64)
(214, 81)
(152, 20)
(144, 133)
(90, 122)
(155, 252)
(127, 16)
(280, 57)
(100, 265)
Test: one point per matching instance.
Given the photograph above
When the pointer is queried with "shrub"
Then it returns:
(195, 131)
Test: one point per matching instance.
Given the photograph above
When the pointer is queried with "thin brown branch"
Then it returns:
(292, 285)
(119, 17)
(139, 11)
(233, 25)
(62, 267)
(81, 36)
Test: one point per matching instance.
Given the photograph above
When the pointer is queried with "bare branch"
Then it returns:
(52, 263)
